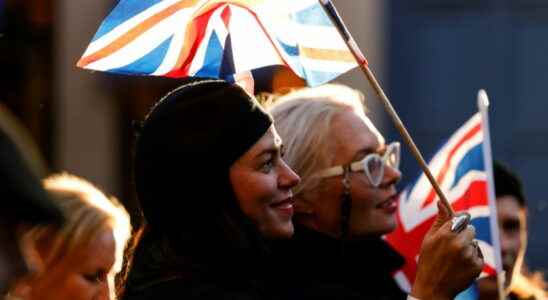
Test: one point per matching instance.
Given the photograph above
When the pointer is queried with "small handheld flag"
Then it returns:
(463, 169)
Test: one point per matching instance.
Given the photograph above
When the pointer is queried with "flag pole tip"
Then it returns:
(483, 100)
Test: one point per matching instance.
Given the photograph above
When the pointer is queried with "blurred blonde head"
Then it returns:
(303, 120)
(88, 213)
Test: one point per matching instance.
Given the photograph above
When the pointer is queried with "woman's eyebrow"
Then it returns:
(273, 150)
(363, 152)
(382, 149)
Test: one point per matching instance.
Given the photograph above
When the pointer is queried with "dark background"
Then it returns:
(443, 51)
(437, 54)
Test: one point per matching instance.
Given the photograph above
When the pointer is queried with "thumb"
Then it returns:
(444, 215)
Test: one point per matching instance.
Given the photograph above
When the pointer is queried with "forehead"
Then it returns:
(269, 140)
(99, 252)
(508, 206)
(353, 135)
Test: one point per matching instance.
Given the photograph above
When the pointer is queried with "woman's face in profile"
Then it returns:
(82, 274)
(262, 183)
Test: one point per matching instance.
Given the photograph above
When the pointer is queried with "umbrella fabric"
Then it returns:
(209, 38)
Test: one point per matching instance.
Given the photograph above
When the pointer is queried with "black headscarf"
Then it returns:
(185, 149)
(23, 196)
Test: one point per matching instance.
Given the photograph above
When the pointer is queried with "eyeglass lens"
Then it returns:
(375, 168)
(375, 165)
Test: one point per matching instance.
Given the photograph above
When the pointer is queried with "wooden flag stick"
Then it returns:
(362, 62)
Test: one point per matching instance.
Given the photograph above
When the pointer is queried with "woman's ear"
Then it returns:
(29, 245)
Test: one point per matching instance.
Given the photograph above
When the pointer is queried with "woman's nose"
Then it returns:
(288, 177)
(391, 175)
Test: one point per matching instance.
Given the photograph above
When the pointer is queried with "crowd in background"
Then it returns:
(288, 200)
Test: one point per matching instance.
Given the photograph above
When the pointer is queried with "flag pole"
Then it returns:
(331, 11)
(483, 107)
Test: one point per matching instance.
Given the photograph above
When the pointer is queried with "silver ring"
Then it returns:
(459, 222)
(478, 249)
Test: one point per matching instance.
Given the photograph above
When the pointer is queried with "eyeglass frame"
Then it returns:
(360, 165)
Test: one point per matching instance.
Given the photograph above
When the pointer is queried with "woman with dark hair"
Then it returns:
(214, 189)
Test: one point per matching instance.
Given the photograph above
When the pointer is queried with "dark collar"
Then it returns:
(317, 253)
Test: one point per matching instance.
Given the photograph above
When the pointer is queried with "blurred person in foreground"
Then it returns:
(512, 218)
(24, 202)
(214, 190)
(346, 201)
(79, 260)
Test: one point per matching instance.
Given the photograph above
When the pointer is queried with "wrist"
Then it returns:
(419, 292)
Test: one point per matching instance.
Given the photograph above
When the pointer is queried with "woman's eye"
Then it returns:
(94, 278)
(267, 166)
(511, 226)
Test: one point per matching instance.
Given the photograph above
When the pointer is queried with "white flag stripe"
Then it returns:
(436, 161)
(457, 158)
(170, 60)
(423, 188)
(258, 29)
(252, 49)
(217, 26)
(135, 50)
(415, 214)
(315, 37)
(402, 281)
(321, 65)
(128, 25)
(488, 253)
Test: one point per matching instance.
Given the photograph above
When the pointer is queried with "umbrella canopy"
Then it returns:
(222, 39)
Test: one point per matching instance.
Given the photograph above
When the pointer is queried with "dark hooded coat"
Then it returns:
(198, 244)
(322, 267)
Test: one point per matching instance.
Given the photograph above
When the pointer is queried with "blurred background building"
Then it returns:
(431, 56)
(442, 51)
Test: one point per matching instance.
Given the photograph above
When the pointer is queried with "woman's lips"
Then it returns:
(389, 205)
(284, 206)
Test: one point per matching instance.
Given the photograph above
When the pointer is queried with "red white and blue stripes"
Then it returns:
(459, 168)
(212, 38)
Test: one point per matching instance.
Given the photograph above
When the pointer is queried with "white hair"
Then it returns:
(303, 120)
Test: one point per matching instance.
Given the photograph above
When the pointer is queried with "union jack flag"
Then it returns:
(223, 39)
(460, 169)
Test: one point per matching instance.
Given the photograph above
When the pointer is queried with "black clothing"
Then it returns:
(315, 266)
(24, 199)
(160, 273)
(184, 151)
(199, 244)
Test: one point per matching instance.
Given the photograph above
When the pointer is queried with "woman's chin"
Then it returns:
(380, 226)
(279, 231)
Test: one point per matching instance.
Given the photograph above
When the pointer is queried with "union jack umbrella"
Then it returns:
(228, 39)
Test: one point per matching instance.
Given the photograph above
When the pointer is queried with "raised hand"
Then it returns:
(449, 260)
